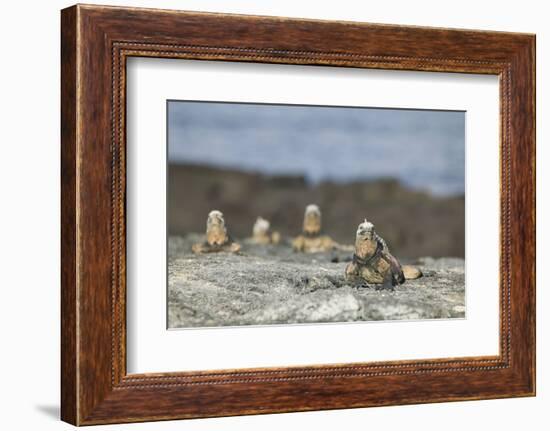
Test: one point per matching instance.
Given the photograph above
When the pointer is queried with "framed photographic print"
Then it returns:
(264, 214)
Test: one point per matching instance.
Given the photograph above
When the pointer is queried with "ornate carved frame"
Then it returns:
(96, 41)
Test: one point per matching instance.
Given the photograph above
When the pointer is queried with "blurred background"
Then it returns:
(401, 169)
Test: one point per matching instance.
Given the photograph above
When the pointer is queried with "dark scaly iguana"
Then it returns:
(373, 263)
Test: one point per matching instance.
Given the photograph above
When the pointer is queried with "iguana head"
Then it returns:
(365, 230)
(365, 240)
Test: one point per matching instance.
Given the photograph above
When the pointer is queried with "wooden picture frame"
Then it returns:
(95, 43)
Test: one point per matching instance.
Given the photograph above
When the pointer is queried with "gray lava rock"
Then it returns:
(271, 284)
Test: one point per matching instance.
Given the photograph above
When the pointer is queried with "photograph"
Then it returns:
(282, 214)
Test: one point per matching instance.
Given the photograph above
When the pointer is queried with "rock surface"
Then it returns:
(271, 284)
(414, 223)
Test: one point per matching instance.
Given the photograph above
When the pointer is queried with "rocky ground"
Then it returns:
(274, 285)
(411, 221)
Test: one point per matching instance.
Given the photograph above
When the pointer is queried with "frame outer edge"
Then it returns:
(69, 200)
(523, 216)
(531, 63)
(533, 54)
(532, 101)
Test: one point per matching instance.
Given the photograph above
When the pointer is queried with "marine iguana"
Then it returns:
(217, 238)
(311, 240)
(262, 233)
(373, 263)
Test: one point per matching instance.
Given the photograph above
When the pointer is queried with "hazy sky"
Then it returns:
(423, 149)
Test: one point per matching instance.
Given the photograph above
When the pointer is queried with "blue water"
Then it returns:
(421, 148)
